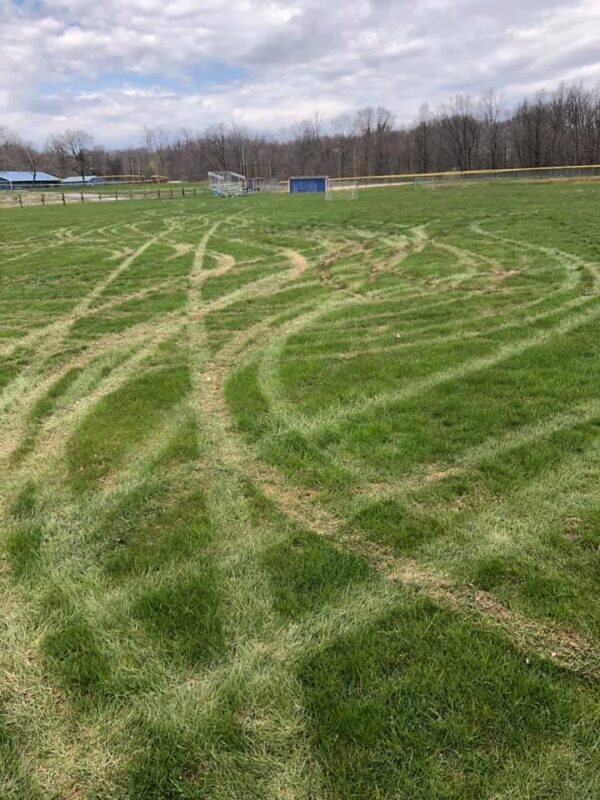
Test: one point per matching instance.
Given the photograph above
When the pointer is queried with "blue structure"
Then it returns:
(77, 180)
(307, 183)
(26, 180)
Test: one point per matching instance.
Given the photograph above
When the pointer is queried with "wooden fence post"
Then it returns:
(99, 197)
(171, 193)
(81, 193)
(117, 196)
(64, 202)
(20, 201)
(43, 199)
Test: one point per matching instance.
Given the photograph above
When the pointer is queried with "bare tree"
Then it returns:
(529, 131)
(216, 139)
(423, 138)
(460, 130)
(344, 144)
(492, 129)
(32, 158)
(74, 147)
(384, 121)
(307, 143)
(364, 123)
(9, 148)
(548, 129)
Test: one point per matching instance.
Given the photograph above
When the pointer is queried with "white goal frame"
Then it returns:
(226, 183)
(423, 182)
(347, 192)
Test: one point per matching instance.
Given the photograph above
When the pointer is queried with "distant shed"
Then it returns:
(27, 180)
(77, 180)
(308, 183)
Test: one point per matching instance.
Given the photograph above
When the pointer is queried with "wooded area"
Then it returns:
(553, 128)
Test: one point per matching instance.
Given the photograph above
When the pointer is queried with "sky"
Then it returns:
(114, 66)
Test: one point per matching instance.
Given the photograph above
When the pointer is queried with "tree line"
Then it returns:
(551, 129)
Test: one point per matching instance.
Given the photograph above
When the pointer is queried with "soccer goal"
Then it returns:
(346, 191)
(425, 183)
(227, 184)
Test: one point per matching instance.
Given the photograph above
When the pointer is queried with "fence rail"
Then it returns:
(513, 173)
(30, 197)
(36, 198)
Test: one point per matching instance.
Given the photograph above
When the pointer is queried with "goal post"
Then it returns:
(346, 190)
(424, 182)
(226, 183)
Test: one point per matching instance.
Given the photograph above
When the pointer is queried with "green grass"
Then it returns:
(299, 499)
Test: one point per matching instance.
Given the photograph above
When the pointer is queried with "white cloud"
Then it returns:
(114, 66)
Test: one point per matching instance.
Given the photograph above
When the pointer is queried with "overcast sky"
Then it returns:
(113, 66)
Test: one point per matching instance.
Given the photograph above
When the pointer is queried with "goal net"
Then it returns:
(424, 183)
(226, 183)
(345, 190)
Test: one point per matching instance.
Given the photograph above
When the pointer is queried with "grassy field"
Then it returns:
(300, 498)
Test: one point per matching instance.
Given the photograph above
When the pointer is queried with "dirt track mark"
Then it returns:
(47, 337)
(549, 641)
(564, 648)
(417, 387)
(573, 265)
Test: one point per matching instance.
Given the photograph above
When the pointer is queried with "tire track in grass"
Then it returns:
(62, 749)
(24, 394)
(69, 741)
(275, 394)
(60, 425)
(400, 346)
(274, 391)
(86, 746)
(66, 419)
(380, 401)
(231, 516)
(46, 338)
(489, 448)
(54, 432)
(408, 571)
(18, 396)
(571, 263)
(53, 435)
(230, 461)
(77, 746)
(547, 640)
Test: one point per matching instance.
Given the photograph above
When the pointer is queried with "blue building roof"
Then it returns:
(27, 177)
(78, 179)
